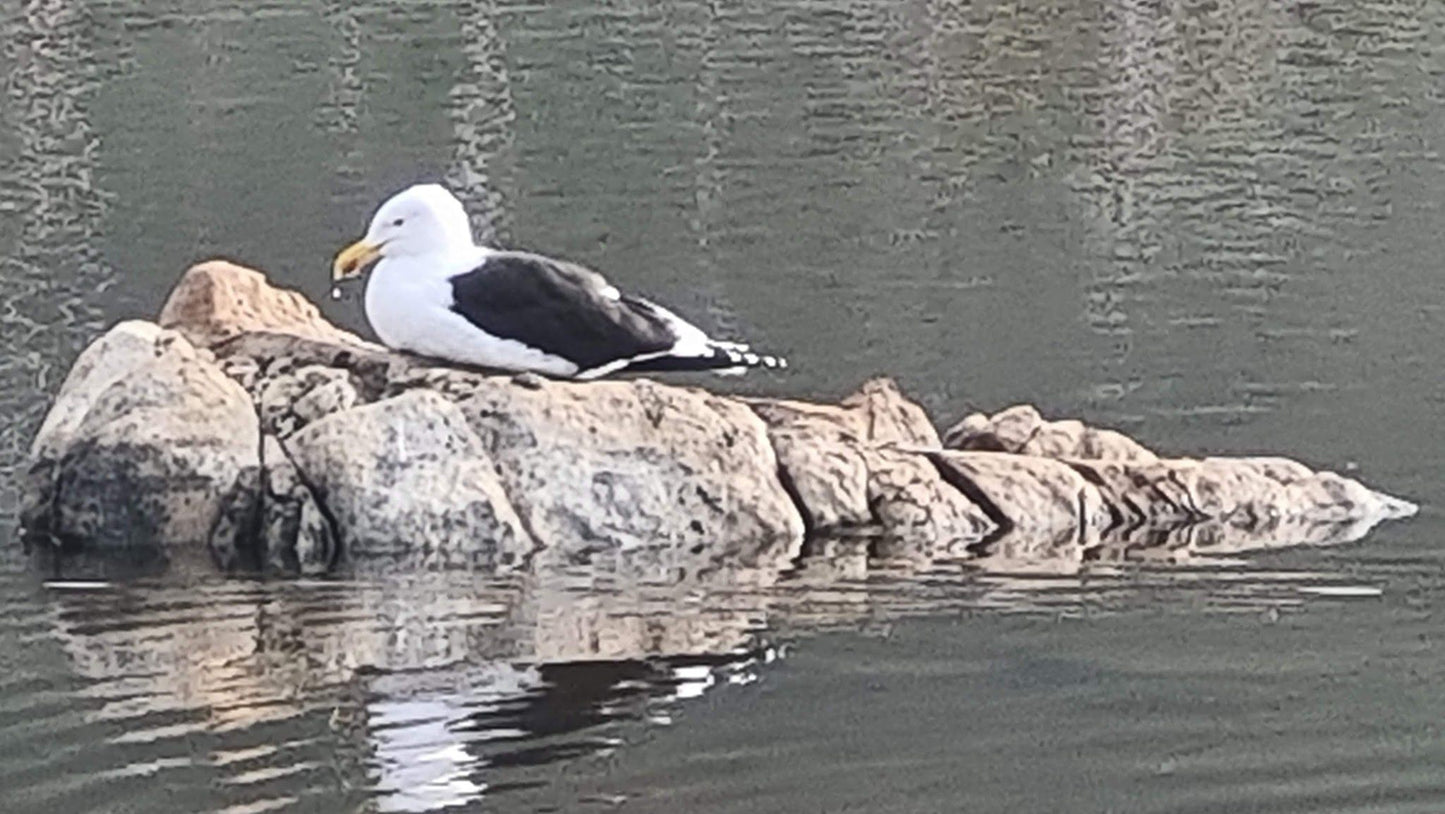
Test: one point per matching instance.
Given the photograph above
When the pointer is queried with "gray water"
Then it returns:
(1215, 225)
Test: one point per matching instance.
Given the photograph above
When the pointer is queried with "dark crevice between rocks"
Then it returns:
(333, 526)
(1195, 513)
(1117, 519)
(810, 524)
(234, 538)
(1081, 505)
(790, 488)
(1002, 523)
(1028, 440)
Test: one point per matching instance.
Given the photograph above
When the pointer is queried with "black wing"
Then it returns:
(559, 308)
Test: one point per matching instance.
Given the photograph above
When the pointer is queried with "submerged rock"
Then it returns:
(264, 434)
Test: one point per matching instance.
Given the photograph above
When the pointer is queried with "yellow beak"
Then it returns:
(353, 259)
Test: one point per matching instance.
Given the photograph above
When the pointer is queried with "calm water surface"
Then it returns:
(1216, 225)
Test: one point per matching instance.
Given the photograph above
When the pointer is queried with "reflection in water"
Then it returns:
(421, 760)
(50, 212)
(432, 690)
(482, 115)
(340, 112)
(436, 690)
(1229, 160)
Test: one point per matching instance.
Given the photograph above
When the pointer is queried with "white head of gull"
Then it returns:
(436, 293)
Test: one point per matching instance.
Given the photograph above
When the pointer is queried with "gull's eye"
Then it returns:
(398, 221)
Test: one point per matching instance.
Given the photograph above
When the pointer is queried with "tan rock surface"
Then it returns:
(218, 300)
(633, 466)
(1038, 497)
(405, 479)
(1021, 430)
(856, 466)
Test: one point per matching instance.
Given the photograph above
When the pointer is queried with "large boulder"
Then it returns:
(149, 445)
(635, 467)
(406, 480)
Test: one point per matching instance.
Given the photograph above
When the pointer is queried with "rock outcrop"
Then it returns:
(148, 440)
(247, 426)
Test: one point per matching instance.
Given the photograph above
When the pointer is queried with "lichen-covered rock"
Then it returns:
(217, 300)
(407, 480)
(1021, 430)
(150, 446)
(635, 466)
(291, 401)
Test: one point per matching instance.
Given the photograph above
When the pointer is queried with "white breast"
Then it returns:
(409, 306)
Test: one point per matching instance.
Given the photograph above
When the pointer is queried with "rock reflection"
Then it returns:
(443, 688)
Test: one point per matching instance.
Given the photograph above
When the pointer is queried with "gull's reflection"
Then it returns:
(420, 739)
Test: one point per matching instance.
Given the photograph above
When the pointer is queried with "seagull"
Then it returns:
(436, 293)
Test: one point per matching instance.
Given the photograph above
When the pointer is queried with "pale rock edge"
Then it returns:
(246, 428)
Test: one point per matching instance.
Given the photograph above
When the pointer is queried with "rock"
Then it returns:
(1021, 430)
(821, 458)
(150, 445)
(918, 511)
(1249, 493)
(1028, 495)
(856, 465)
(407, 480)
(217, 300)
(109, 359)
(255, 359)
(881, 413)
(636, 468)
(288, 442)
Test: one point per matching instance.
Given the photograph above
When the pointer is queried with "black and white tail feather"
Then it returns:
(690, 350)
(720, 358)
